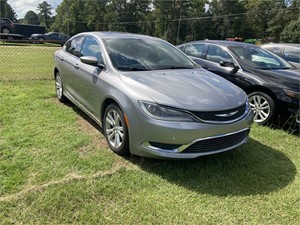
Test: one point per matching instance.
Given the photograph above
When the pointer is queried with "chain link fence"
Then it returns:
(26, 61)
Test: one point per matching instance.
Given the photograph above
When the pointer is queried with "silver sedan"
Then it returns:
(149, 97)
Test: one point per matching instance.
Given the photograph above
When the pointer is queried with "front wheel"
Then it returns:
(5, 30)
(263, 107)
(115, 130)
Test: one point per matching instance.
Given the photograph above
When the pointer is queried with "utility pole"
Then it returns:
(178, 30)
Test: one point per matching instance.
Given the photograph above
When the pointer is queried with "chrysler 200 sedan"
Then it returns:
(149, 98)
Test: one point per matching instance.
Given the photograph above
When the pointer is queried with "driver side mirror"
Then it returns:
(91, 60)
(230, 64)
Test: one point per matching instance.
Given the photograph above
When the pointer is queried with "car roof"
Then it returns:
(113, 34)
(283, 44)
(220, 42)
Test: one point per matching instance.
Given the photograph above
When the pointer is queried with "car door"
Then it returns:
(88, 77)
(212, 61)
(54, 38)
(68, 65)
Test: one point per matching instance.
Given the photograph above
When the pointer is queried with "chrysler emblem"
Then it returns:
(227, 114)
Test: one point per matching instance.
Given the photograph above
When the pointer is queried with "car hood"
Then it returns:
(197, 90)
(288, 78)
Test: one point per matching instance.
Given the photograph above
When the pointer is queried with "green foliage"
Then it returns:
(7, 11)
(45, 13)
(31, 18)
(176, 21)
(291, 34)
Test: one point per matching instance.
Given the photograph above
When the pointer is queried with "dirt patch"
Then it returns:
(67, 179)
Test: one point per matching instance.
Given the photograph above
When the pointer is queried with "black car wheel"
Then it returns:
(59, 88)
(263, 107)
(5, 30)
(115, 130)
(41, 40)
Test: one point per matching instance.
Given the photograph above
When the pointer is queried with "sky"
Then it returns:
(21, 7)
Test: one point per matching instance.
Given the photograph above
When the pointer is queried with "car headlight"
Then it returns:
(292, 94)
(166, 113)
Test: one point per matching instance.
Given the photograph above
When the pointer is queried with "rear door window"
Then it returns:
(292, 54)
(195, 50)
(74, 46)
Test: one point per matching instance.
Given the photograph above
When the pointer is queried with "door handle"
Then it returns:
(76, 66)
(205, 67)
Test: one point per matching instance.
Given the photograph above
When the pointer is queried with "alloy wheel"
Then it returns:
(114, 128)
(58, 86)
(261, 108)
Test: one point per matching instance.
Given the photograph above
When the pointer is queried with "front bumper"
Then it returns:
(184, 140)
(290, 108)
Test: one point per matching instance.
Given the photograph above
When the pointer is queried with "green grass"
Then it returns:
(26, 62)
(55, 167)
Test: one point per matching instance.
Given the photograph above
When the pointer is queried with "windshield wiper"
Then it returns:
(282, 68)
(174, 68)
(130, 68)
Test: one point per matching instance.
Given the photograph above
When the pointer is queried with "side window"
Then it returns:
(217, 54)
(181, 48)
(194, 50)
(275, 49)
(74, 46)
(91, 48)
(292, 54)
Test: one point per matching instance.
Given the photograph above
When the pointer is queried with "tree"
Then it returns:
(228, 18)
(31, 18)
(281, 15)
(45, 13)
(200, 27)
(291, 34)
(123, 15)
(257, 16)
(168, 20)
(62, 18)
(7, 11)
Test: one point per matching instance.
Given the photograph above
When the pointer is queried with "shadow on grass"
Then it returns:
(251, 170)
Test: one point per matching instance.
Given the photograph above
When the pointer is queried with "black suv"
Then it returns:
(6, 26)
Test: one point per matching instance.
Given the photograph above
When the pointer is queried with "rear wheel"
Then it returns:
(115, 130)
(263, 107)
(59, 88)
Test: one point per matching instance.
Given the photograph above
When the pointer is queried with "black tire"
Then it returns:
(5, 30)
(59, 88)
(263, 107)
(41, 40)
(115, 130)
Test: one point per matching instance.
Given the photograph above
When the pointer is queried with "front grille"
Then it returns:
(221, 116)
(218, 143)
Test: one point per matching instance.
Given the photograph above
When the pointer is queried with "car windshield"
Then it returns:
(133, 54)
(259, 59)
